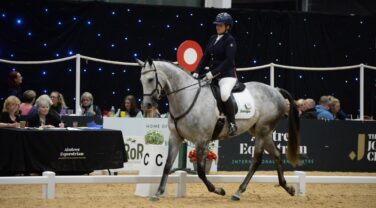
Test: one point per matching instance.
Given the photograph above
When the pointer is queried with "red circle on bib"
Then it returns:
(189, 55)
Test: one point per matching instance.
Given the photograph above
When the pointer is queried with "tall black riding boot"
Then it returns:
(230, 113)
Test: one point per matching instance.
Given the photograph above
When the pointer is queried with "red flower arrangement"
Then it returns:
(192, 155)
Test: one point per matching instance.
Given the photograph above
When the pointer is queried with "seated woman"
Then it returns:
(151, 112)
(10, 118)
(29, 99)
(33, 111)
(130, 107)
(58, 103)
(87, 106)
(43, 118)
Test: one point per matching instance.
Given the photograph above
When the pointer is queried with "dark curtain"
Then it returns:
(122, 32)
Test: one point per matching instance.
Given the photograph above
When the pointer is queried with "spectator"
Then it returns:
(9, 117)
(151, 112)
(58, 103)
(87, 106)
(34, 110)
(14, 82)
(287, 110)
(130, 107)
(44, 118)
(322, 109)
(300, 105)
(335, 109)
(309, 109)
(29, 99)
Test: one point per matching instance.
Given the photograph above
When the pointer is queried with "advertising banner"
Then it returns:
(324, 146)
(134, 131)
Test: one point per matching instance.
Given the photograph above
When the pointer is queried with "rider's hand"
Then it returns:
(209, 76)
(195, 75)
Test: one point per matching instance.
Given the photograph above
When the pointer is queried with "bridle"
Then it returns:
(157, 83)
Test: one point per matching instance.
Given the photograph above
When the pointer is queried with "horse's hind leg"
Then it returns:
(201, 149)
(256, 161)
(274, 152)
(173, 149)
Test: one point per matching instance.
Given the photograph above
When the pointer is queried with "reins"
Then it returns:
(177, 118)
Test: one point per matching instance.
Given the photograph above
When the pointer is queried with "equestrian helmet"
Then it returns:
(224, 18)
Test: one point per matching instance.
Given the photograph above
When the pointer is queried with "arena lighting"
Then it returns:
(19, 21)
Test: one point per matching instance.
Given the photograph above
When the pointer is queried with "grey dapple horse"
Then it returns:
(194, 113)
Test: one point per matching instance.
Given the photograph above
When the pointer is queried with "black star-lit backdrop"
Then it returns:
(123, 32)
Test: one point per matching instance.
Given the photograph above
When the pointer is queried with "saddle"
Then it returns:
(239, 87)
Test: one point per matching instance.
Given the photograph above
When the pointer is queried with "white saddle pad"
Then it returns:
(246, 105)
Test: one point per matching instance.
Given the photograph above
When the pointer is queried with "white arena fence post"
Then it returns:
(78, 84)
(48, 189)
(361, 92)
(272, 74)
(181, 186)
(300, 189)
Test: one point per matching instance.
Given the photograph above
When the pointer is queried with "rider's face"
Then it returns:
(221, 28)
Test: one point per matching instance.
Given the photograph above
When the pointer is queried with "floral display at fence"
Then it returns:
(154, 137)
(192, 155)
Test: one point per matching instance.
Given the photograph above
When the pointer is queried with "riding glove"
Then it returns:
(209, 76)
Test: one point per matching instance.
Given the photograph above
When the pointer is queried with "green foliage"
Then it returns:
(154, 137)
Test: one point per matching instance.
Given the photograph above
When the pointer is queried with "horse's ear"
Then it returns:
(150, 61)
(141, 63)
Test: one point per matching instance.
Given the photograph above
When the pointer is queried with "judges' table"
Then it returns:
(60, 150)
(81, 120)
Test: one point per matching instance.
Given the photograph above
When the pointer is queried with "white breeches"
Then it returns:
(226, 84)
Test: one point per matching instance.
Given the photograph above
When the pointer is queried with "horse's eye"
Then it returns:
(150, 79)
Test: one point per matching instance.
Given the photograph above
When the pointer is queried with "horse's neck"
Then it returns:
(179, 100)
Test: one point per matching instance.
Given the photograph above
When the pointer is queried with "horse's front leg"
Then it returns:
(201, 163)
(173, 149)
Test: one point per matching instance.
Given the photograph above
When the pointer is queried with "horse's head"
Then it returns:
(152, 83)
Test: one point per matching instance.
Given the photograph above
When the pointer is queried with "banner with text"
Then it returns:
(324, 146)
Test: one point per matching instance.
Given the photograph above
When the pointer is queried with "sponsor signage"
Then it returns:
(324, 146)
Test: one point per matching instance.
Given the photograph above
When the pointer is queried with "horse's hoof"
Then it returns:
(235, 197)
(291, 191)
(220, 191)
(154, 198)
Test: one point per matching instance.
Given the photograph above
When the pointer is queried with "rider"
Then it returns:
(219, 56)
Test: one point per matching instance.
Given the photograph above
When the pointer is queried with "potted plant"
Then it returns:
(210, 156)
(154, 137)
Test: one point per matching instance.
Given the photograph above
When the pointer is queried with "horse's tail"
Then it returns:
(294, 129)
